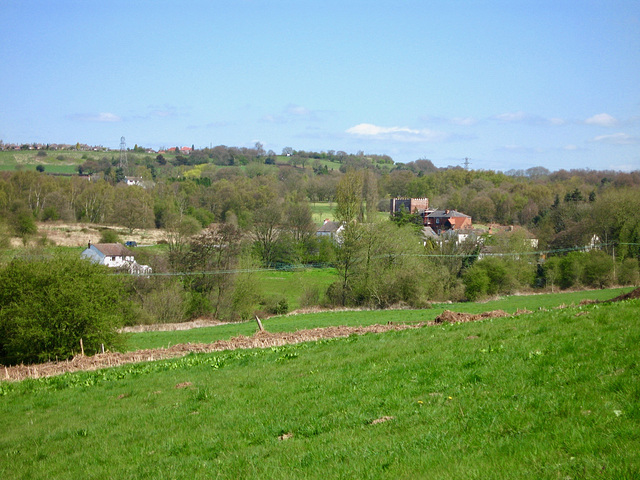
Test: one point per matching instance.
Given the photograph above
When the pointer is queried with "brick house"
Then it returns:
(441, 220)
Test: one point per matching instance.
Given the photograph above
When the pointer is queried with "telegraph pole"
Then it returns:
(466, 163)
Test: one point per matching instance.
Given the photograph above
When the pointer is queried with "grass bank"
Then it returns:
(552, 394)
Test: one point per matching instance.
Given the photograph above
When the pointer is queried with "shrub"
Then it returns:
(476, 283)
(629, 272)
(109, 236)
(276, 305)
(48, 305)
(598, 269)
(571, 269)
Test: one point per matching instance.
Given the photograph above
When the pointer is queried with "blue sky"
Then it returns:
(509, 84)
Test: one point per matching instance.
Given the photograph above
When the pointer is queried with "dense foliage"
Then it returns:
(47, 306)
(225, 208)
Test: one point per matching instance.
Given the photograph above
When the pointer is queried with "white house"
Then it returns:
(114, 255)
(330, 229)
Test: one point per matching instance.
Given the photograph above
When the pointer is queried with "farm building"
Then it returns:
(114, 255)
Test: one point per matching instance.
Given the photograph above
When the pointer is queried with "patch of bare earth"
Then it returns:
(458, 317)
(632, 295)
(79, 234)
(260, 339)
(173, 327)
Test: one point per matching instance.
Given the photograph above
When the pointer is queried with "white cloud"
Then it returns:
(617, 139)
(291, 113)
(96, 117)
(464, 121)
(602, 120)
(527, 118)
(298, 110)
(570, 148)
(511, 117)
(402, 134)
(557, 121)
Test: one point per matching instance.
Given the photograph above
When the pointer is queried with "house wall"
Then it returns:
(411, 205)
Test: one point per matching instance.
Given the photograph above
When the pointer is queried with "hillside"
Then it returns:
(543, 395)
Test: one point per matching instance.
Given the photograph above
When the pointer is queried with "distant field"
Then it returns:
(294, 284)
(321, 211)
(61, 161)
(547, 395)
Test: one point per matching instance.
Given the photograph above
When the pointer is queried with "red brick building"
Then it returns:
(441, 220)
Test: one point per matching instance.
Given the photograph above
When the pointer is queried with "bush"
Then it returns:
(491, 276)
(275, 305)
(476, 283)
(109, 236)
(629, 272)
(571, 268)
(597, 269)
(47, 306)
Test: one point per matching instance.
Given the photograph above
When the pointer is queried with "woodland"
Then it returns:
(229, 213)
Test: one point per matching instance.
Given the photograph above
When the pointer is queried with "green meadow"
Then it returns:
(545, 395)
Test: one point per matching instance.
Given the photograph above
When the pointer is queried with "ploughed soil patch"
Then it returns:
(458, 317)
(260, 339)
(632, 295)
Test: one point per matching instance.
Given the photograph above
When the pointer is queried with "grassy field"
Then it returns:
(511, 304)
(295, 284)
(552, 394)
(321, 211)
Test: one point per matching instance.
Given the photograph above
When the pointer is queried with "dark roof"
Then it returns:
(329, 227)
(428, 232)
(113, 249)
(447, 214)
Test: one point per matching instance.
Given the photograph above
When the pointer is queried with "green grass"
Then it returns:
(553, 394)
(290, 323)
(321, 211)
(294, 284)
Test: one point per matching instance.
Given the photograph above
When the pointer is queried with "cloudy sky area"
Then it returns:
(509, 84)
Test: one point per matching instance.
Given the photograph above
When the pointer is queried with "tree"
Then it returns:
(266, 231)
(349, 198)
(48, 306)
(211, 258)
(23, 224)
(132, 208)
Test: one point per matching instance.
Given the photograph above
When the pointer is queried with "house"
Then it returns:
(330, 229)
(410, 205)
(428, 235)
(133, 181)
(528, 238)
(462, 235)
(114, 255)
(441, 220)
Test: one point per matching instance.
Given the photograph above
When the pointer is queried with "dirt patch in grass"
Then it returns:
(79, 234)
(632, 295)
(173, 327)
(458, 317)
